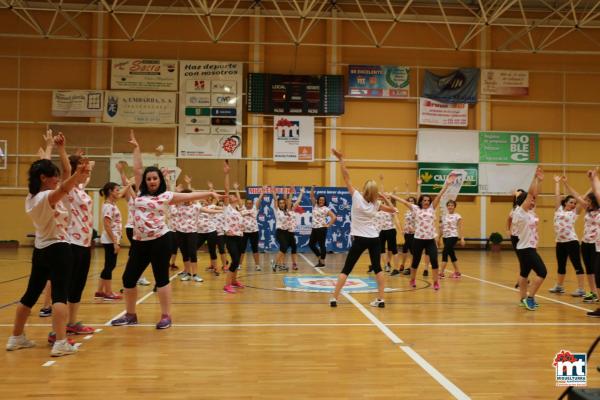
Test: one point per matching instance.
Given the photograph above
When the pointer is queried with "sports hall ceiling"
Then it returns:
(530, 26)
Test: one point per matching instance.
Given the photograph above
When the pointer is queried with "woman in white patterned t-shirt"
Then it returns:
(234, 234)
(593, 175)
(451, 228)
(151, 244)
(566, 212)
(250, 214)
(322, 219)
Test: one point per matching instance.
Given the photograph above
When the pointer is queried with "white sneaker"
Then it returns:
(557, 289)
(578, 293)
(377, 303)
(18, 342)
(332, 302)
(62, 348)
(143, 281)
(185, 277)
(258, 268)
(197, 278)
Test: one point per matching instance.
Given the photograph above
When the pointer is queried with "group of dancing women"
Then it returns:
(161, 221)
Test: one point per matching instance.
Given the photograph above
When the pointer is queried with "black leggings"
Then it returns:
(388, 237)
(251, 237)
(529, 260)
(79, 273)
(129, 234)
(110, 261)
(188, 246)
(448, 250)
(597, 269)
(54, 264)
(514, 240)
(318, 236)
(155, 252)
(570, 250)
(430, 249)
(359, 245)
(588, 253)
(172, 242)
(211, 242)
(221, 243)
(283, 240)
(234, 247)
(408, 243)
(292, 242)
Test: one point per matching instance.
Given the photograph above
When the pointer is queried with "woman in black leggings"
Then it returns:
(320, 224)
(593, 175)
(250, 214)
(364, 233)
(234, 234)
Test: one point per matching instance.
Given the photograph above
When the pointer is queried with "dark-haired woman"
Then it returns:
(151, 244)
(110, 239)
(567, 242)
(282, 221)
(186, 226)
(408, 230)
(320, 224)
(425, 231)
(591, 229)
(451, 228)
(250, 214)
(52, 256)
(234, 234)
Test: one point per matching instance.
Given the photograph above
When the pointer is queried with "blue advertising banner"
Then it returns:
(459, 86)
(338, 200)
(385, 81)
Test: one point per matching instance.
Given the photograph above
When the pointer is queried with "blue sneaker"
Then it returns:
(164, 323)
(529, 303)
(127, 319)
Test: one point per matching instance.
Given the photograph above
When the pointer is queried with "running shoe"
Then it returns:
(436, 285)
(395, 272)
(594, 314)
(426, 272)
(578, 293)
(79, 329)
(377, 303)
(590, 298)
(52, 339)
(557, 289)
(332, 302)
(294, 267)
(406, 271)
(99, 295)
(127, 319)
(238, 285)
(62, 348)
(442, 275)
(529, 303)
(46, 312)
(370, 269)
(537, 305)
(456, 275)
(413, 284)
(273, 266)
(164, 323)
(197, 278)
(173, 267)
(320, 265)
(18, 342)
(387, 267)
(143, 281)
(229, 289)
(185, 277)
(112, 296)
(258, 268)
(181, 273)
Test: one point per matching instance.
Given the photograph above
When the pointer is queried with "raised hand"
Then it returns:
(557, 179)
(132, 141)
(236, 186)
(539, 173)
(210, 185)
(59, 140)
(419, 181)
(226, 167)
(337, 154)
(187, 179)
(48, 137)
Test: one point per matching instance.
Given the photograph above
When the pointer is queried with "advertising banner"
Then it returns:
(504, 147)
(385, 81)
(434, 176)
(3, 153)
(77, 103)
(459, 86)
(435, 113)
(210, 109)
(505, 82)
(125, 107)
(338, 200)
(142, 74)
(293, 138)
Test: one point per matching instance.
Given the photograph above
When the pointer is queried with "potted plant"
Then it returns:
(496, 241)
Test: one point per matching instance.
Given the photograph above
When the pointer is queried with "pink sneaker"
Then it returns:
(436, 285)
(112, 296)
(456, 275)
(442, 275)
(228, 289)
(413, 283)
(238, 284)
(99, 295)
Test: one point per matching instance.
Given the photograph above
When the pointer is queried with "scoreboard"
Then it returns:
(296, 94)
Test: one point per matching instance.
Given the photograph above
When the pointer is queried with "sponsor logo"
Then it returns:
(570, 368)
(224, 112)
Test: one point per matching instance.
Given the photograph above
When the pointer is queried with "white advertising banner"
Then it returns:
(210, 109)
(77, 103)
(432, 112)
(142, 74)
(505, 178)
(293, 138)
(459, 146)
(139, 107)
(505, 82)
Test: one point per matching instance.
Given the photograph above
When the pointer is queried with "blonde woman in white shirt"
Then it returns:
(364, 232)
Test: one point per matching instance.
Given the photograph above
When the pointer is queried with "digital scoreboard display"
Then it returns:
(296, 94)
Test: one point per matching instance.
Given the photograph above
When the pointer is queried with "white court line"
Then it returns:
(48, 363)
(434, 373)
(537, 295)
(119, 315)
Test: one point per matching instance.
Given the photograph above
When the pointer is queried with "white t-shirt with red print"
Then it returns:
(250, 221)
(234, 222)
(81, 223)
(410, 223)
(384, 221)
(597, 218)
(112, 212)
(319, 216)
(186, 217)
(362, 216)
(526, 223)
(219, 220)
(513, 227)
(564, 225)
(450, 225)
(590, 227)
(130, 207)
(207, 222)
(292, 221)
(50, 223)
(150, 216)
(424, 222)
(281, 217)
(172, 217)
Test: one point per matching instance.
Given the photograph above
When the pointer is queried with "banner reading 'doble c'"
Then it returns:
(435, 113)
(293, 138)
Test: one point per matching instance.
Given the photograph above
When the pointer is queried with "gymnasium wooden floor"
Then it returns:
(469, 340)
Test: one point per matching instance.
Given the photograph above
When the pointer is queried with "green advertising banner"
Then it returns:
(434, 175)
(504, 147)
